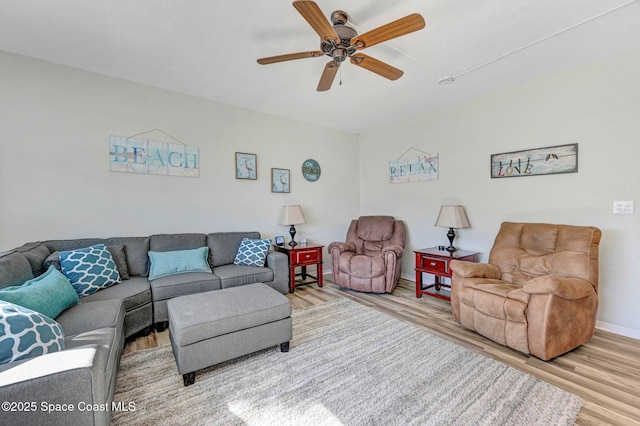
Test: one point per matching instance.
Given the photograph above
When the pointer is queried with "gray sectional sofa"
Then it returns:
(76, 385)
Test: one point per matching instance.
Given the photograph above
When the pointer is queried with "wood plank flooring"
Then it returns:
(605, 372)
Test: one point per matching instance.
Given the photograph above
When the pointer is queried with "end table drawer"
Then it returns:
(304, 256)
(435, 265)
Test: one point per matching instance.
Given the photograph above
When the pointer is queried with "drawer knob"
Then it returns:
(308, 256)
(433, 263)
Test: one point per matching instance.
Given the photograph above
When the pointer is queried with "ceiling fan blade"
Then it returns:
(402, 26)
(290, 56)
(376, 66)
(328, 75)
(314, 16)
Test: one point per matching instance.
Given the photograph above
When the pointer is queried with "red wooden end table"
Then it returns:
(301, 256)
(436, 262)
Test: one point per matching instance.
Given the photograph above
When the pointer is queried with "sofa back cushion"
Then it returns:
(35, 253)
(15, 269)
(524, 251)
(135, 249)
(223, 246)
(172, 242)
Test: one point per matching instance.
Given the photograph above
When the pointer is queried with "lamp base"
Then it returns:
(451, 235)
(292, 232)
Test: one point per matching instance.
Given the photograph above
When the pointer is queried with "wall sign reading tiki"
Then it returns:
(534, 162)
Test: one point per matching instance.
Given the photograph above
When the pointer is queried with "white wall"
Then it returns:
(54, 162)
(596, 105)
(55, 181)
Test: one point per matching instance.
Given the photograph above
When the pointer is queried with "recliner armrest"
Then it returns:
(342, 247)
(393, 248)
(565, 288)
(475, 270)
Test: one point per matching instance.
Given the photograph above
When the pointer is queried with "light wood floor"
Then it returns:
(605, 372)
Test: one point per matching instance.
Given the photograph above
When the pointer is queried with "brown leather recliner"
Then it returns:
(369, 260)
(539, 292)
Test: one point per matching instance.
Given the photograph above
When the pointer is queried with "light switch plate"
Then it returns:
(624, 207)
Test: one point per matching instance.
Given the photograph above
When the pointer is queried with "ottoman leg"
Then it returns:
(284, 347)
(189, 378)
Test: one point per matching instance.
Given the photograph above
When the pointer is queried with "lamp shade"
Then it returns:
(291, 215)
(452, 217)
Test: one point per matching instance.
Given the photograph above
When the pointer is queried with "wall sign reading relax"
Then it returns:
(150, 157)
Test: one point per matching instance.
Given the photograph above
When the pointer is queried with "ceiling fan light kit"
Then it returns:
(339, 42)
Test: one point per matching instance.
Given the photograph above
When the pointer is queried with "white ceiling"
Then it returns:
(208, 48)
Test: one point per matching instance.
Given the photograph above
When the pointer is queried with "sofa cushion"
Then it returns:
(167, 263)
(223, 246)
(49, 294)
(25, 333)
(14, 269)
(252, 252)
(235, 275)
(134, 292)
(88, 316)
(89, 269)
(188, 283)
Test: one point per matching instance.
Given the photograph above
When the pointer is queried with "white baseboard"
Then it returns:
(617, 329)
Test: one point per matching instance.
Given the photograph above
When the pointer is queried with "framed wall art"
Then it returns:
(280, 180)
(534, 162)
(246, 166)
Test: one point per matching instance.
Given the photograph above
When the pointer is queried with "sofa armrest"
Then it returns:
(64, 377)
(342, 247)
(475, 270)
(279, 263)
(398, 250)
(565, 288)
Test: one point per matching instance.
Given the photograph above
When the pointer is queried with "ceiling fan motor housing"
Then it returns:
(340, 50)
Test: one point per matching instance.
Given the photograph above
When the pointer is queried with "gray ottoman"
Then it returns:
(216, 326)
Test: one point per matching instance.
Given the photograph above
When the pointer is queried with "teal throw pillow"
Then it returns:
(49, 294)
(89, 269)
(25, 333)
(165, 263)
(252, 252)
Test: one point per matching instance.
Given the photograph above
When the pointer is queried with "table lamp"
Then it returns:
(292, 215)
(452, 217)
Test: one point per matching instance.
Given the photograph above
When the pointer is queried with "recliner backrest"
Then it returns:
(370, 234)
(524, 251)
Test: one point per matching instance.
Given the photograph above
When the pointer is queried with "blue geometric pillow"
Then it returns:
(252, 252)
(89, 269)
(26, 334)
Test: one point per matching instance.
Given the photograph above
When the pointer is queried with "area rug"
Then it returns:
(348, 365)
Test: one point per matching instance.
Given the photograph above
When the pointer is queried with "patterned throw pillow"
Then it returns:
(89, 269)
(252, 252)
(26, 334)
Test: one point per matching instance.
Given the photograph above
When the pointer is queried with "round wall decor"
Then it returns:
(311, 170)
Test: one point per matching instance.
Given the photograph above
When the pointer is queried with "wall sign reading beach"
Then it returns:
(131, 155)
(534, 162)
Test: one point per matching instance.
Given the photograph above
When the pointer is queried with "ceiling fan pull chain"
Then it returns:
(340, 76)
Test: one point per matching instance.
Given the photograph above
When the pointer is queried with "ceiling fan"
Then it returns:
(339, 42)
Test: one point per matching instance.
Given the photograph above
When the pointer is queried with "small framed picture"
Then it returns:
(246, 166)
(280, 180)
(279, 240)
